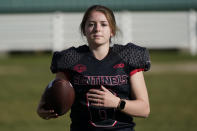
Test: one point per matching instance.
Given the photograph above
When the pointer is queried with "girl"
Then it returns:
(108, 80)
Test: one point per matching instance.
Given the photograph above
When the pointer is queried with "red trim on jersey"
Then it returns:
(135, 71)
(93, 124)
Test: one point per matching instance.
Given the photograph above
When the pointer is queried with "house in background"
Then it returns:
(27, 25)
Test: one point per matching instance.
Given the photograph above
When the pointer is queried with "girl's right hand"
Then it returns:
(48, 114)
(45, 114)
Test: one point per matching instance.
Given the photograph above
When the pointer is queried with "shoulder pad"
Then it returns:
(66, 59)
(136, 56)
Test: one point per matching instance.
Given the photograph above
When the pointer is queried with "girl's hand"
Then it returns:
(102, 98)
(45, 114)
(48, 114)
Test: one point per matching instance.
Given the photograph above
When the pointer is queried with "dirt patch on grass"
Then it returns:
(174, 67)
(11, 70)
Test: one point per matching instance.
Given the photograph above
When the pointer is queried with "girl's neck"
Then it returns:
(100, 51)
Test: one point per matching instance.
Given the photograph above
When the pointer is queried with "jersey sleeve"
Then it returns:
(136, 57)
(64, 60)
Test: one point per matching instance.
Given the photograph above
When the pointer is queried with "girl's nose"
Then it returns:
(97, 27)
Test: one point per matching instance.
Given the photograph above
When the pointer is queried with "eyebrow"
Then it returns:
(99, 21)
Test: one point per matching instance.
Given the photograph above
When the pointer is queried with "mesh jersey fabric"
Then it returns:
(113, 72)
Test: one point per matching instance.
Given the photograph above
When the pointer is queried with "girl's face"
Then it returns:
(97, 29)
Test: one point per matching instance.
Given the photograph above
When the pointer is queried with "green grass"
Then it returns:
(173, 102)
(24, 77)
(171, 56)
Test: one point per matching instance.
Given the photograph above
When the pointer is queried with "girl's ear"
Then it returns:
(111, 34)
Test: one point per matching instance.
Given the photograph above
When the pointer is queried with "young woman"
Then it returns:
(108, 80)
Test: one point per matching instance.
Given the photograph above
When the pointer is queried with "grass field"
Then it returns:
(172, 93)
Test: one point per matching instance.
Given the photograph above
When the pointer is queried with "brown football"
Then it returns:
(59, 97)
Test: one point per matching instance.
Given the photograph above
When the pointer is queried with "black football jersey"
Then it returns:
(113, 72)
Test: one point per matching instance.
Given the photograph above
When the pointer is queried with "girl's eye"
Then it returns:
(90, 24)
(104, 24)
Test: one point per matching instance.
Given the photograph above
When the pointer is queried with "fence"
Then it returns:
(58, 30)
